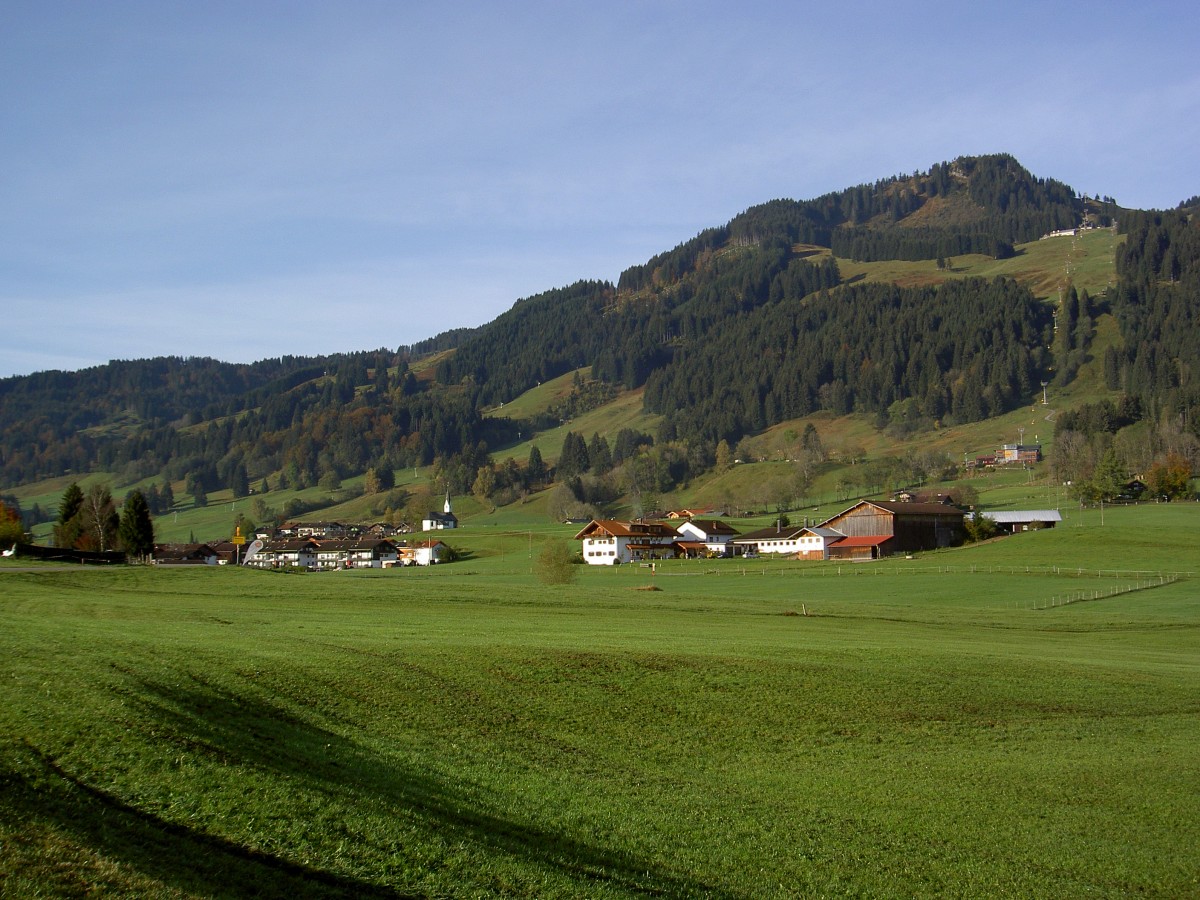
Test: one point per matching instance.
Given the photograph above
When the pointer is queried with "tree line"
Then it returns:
(959, 352)
(1153, 429)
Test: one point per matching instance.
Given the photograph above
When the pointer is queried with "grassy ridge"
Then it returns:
(464, 731)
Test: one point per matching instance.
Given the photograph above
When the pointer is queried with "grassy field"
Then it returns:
(1044, 266)
(936, 726)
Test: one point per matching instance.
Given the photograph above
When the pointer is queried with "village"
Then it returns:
(322, 546)
(867, 530)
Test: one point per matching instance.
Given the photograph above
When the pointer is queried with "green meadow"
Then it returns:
(1020, 718)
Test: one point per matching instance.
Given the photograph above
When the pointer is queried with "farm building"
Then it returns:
(1014, 520)
(1019, 453)
(894, 528)
(860, 547)
(801, 541)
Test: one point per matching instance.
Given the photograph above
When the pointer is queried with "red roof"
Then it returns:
(865, 540)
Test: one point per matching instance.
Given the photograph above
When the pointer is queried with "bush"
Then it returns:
(980, 527)
(556, 563)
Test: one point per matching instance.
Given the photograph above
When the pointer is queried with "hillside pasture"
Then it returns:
(915, 727)
(1044, 266)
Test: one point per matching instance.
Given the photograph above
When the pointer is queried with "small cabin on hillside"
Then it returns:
(1019, 453)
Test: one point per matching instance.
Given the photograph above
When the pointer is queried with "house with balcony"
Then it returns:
(607, 542)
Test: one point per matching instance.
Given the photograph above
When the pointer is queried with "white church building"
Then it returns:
(437, 521)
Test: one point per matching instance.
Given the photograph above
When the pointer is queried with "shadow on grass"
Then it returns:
(256, 733)
(172, 854)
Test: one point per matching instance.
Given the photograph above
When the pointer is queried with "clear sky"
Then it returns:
(258, 178)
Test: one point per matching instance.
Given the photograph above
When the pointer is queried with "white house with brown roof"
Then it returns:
(780, 539)
(706, 537)
(607, 542)
(427, 552)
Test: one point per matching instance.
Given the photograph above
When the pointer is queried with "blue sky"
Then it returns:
(251, 179)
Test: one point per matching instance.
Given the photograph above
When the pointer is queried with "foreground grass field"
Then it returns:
(931, 727)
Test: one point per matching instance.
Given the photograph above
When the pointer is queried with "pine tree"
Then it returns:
(573, 460)
(535, 468)
(1108, 478)
(136, 530)
(68, 526)
(239, 481)
(599, 454)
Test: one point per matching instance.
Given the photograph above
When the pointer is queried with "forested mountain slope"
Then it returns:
(745, 325)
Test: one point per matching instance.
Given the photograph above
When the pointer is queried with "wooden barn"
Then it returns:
(895, 528)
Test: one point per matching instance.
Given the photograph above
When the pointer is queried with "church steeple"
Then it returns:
(446, 509)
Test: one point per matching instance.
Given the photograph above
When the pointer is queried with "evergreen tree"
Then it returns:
(68, 526)
(1108, 479)
(573, 460)
(599, 454)
(136, 530)
(386, 475)
(239, 481)
(535, 468)
(70, 504)
(166, 497)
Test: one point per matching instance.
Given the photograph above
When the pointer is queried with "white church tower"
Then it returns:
(437, 521)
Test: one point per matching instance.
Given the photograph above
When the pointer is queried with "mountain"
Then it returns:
(854, 302)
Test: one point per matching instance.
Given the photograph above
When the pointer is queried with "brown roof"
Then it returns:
(713, 526)
(932, 509)
(616, 528)
(771, 533)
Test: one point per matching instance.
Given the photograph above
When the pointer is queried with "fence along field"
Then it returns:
(467, 731)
